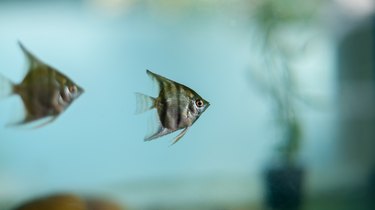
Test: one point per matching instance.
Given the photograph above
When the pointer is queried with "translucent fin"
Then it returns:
(50, 120)
(27, 119)
(6, 87)
(144, 103)
(183, 132)
(33, 122)
(158, 77)
(156, 129)
(161, 132)
(34, 62)
(153, 123)
(153, 75)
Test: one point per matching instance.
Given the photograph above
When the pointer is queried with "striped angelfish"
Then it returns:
(45, 91)
(178, 107)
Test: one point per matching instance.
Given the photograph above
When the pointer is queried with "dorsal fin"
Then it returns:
(160, 79)
(34, 62)
(165, 82)
(155, 76)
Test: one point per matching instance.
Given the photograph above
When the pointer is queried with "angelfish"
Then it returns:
(45, 91)
(178, 107)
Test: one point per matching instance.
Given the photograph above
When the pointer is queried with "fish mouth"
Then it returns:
(206, 106)
(80, 91)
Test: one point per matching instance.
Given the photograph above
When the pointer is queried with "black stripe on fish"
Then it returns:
(179, 109)
(162, 108)
(161, 86)
(161, 101)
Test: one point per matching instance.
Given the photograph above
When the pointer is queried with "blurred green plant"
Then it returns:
(274, 74)
(272, 13)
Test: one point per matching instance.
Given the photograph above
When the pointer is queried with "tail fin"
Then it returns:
(144, 103)
(6, 87)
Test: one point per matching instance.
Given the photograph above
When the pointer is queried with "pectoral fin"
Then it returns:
(180, 135)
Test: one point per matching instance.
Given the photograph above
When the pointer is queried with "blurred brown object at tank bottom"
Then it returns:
(68, 202)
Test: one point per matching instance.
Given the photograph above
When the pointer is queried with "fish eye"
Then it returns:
(72, 89)
(199, 103)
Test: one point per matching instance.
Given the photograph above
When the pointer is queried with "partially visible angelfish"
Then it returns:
(178, 107)
(45, 91)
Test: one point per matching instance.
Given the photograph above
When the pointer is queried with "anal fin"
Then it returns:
(34, 122)
(50, 120)
(161, 132)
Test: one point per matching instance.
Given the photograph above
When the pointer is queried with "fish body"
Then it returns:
(45, 91)
(177, 105)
